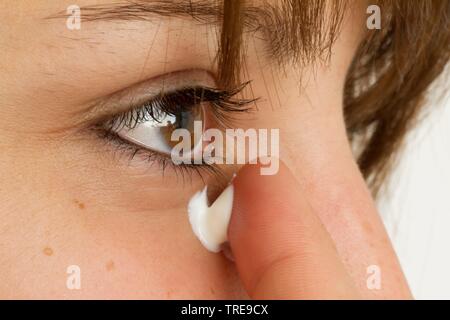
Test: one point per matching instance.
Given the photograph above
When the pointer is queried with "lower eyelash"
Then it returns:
(164, 162)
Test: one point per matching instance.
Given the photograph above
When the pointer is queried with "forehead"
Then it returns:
(121, 37)
(303, 30)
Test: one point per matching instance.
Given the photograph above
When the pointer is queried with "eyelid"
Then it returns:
(137, 95)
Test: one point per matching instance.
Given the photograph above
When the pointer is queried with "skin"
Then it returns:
(69, 198)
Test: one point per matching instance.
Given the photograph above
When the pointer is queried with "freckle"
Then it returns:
(367, 227)
(48, 251)
(212, 290)
(110, 266)
(80, 204)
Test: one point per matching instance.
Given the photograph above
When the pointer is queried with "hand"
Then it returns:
(280, 246)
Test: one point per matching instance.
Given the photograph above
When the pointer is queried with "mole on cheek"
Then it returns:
(80, 204)
(110, 265)
(48, 251)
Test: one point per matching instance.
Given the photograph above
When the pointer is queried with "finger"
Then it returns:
(281, 249)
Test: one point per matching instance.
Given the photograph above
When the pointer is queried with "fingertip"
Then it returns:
(277, 241)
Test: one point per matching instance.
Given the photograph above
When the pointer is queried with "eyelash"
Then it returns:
(222, 101)
(223, 106)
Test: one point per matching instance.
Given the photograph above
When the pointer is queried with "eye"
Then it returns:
(147, 129)
(151, 126)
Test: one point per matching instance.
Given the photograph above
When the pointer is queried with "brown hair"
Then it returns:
(390, 74)
(387, 82)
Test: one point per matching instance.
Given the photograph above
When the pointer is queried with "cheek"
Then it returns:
(162, 258)
(128, 238)
(119, 254)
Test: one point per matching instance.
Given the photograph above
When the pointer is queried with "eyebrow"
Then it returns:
(299, 32)
(204, 11)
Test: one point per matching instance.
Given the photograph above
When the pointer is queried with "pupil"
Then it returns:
(182, 120)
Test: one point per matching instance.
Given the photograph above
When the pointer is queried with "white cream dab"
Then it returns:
(210, 223)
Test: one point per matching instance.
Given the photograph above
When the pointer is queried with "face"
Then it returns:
(76, 189)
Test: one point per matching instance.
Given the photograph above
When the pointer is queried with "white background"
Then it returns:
(416, 203)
